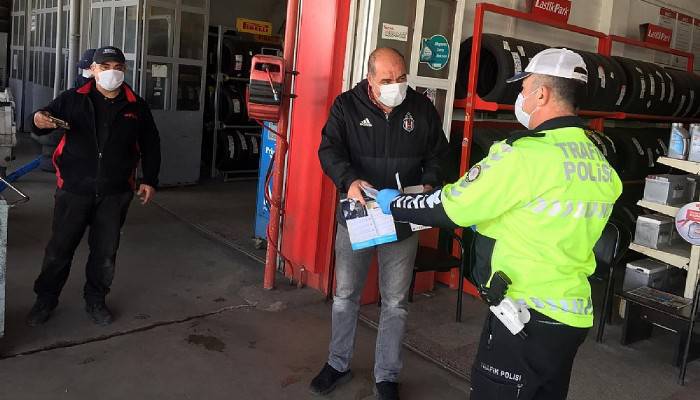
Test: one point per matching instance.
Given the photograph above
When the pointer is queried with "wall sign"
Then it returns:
(394, 32)
(435, 52)
(556, 10)
(656, 34)
(253, 26)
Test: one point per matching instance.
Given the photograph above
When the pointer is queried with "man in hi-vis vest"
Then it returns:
(539, 202)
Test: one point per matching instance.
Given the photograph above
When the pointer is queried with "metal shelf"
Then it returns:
(671, 211)
(676, 256)
(684, 165)
(224, 126)
(482, 105)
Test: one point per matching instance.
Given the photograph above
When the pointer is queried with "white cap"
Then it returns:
(563, 63)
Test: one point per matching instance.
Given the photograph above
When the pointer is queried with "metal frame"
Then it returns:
(473, 103)
(174, 60)
(217, 93)
(367, 33)
(130, 56)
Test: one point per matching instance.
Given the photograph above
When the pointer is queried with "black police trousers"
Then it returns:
(508, 367)
(73, 213)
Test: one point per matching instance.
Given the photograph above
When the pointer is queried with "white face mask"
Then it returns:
(393, 94)
(87, 73)
(520, 114)
(110, 79)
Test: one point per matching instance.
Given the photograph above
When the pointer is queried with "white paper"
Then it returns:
(367, 225)
(682, 38)
(669, 23)
(394, 32)
(159, 70)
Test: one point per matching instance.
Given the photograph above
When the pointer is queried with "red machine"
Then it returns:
(264, 95)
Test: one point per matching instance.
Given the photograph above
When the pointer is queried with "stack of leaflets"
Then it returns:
(367, 225)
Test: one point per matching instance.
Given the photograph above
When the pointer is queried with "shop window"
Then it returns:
(118, 27)
(438, 27)
(130, 30)
(158, 77)
(194, 3)
(95, 28)
(105, 39)
(437, 96)
(396, 28)
(192, 36)
(189, 82)
(129, 74)
(161, 25)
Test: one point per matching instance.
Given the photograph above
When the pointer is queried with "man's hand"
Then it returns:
(384, 199)
(427, 188)
(146, 193)
(355, 190)
(42, 120)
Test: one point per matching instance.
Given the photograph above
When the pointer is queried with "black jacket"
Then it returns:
(360, 142)
(83, 167)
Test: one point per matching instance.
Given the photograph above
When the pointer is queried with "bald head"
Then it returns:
(385, 66)
(385, 56)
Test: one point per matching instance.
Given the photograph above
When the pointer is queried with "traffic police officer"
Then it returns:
(539, 202)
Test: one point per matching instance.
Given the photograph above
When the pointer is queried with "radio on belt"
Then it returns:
(513, 315)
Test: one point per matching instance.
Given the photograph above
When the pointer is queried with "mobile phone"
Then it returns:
(59, 122)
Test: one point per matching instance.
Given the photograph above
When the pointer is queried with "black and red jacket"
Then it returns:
(82, 166)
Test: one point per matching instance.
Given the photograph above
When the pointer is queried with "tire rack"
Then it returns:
(243, 174)
(472, 103)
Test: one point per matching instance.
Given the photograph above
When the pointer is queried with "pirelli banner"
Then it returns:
(262, 28)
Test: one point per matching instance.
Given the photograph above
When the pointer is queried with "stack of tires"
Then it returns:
(614, 83)
(501, 58)
(237, 150)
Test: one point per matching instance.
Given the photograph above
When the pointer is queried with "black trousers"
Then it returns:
(73, 213)
(538, 367)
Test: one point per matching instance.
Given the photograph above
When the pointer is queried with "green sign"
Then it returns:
(435, 52)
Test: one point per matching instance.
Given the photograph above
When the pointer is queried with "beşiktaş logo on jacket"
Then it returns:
(408, 123)
(365, 122)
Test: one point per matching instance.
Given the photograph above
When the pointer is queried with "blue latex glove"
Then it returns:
(385, 197)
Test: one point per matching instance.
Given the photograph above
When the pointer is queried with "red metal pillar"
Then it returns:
(281, 151)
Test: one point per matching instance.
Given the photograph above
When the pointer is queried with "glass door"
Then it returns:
(172, 82)
(426, 32)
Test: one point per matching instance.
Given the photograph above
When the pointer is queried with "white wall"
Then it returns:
(225, 12)
(621, 17)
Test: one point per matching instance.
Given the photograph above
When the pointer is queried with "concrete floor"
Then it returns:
(192, 322)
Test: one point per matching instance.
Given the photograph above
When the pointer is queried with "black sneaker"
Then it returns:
(327, 380)
(387, 391)
(99, 313)
(40, 312)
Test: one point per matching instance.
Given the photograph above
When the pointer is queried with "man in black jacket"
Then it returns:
(109, 130)
(374, 131)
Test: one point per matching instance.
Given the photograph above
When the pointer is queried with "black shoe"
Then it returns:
(387, 391)
(327, 380)
(40, 312)
(99, 313)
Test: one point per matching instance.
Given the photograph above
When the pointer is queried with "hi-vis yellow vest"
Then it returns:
(545, 201)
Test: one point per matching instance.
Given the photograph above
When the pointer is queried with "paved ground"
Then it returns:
(192, 322)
